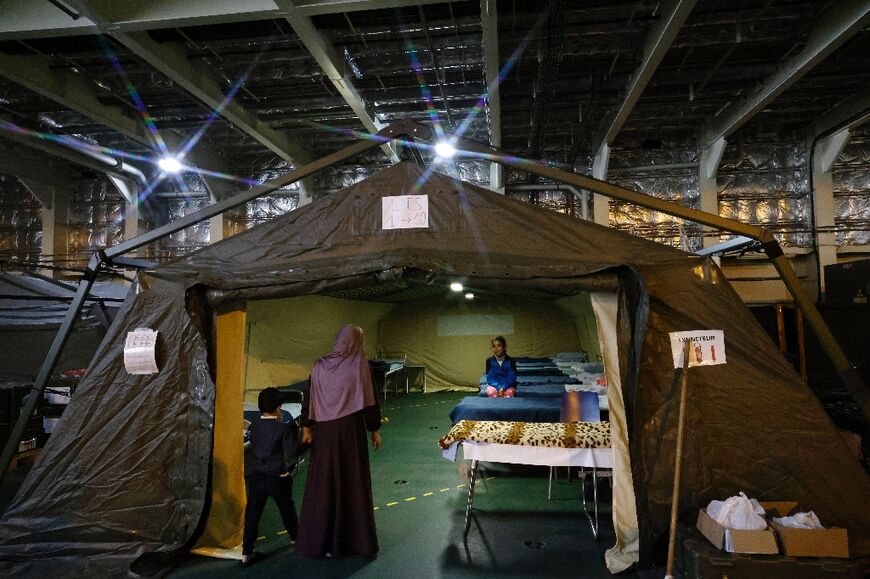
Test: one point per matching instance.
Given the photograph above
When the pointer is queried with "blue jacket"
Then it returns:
(273, 445)
(504, 376)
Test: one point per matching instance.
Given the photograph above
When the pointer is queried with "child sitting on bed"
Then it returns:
(501, 371)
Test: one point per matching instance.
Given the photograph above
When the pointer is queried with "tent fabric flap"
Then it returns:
(126, 470)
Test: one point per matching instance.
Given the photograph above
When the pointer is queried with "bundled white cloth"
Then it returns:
(738, 512)
(800, 521)
(586, 388)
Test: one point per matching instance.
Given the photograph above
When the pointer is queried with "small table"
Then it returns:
(421, 370)
(525, 446)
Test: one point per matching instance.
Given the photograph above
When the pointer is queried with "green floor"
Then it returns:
(420, 499)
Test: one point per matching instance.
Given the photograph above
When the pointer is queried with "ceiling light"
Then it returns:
(456, 287)
(444, 149)
(169, 165)
(469, 296)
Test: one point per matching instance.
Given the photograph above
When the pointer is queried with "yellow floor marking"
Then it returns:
(460, 486)
(409, 499)
(490, 477)
(261, 538)
(428, 494)
(393, 504)
(284, 532)
(444, 490)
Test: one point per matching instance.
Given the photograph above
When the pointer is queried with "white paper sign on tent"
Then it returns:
(139, 351)
(708, 347)
(405, 212)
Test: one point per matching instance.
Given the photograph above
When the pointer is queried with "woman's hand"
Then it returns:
(376, 439)
(307, 435)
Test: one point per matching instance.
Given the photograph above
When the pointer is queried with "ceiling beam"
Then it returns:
(77, 93)
(849, 114)
(839, 23)
(492, 72)
(46, 179)
(199, 81)
(11, 131)
(315, 7)
(334, 67)
(492, 67)
(673, 14)
(22, 20)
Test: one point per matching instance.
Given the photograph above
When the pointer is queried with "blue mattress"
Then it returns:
(539, 379)
(527, 409)
(537, 391)
(540, 371)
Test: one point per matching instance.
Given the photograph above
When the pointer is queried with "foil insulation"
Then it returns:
(20, 222)
(188, 239)
(768, 184)
(175, 199)
(670, 174)
(260, 210)
(851, 181)
(96, 220)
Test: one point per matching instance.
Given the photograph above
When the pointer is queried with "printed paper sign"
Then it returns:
(708, 347)
(405, 212)
(139, 351)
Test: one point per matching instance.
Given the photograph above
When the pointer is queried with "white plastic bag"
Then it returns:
(800, 521)
(738, 512)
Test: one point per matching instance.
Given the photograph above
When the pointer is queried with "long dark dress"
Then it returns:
(337, 508)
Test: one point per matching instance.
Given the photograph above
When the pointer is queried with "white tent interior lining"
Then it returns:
(449, 335)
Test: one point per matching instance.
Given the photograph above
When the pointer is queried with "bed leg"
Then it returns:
(550, 483)
(595, 497)
(472, 479)
(592, 522)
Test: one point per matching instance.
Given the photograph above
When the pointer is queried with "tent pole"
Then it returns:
(846, 370)
(66, 328)
(848, 374)
(678, 460)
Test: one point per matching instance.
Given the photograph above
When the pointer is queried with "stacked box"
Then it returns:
(697, 558)
(827, 542)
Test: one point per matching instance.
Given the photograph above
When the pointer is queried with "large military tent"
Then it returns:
(126, 476)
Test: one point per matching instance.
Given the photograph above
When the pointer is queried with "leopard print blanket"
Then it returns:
(546, 434)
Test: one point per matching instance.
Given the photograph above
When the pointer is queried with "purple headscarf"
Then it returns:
(341, 381)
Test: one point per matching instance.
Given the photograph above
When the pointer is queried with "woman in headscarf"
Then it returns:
(337, 516)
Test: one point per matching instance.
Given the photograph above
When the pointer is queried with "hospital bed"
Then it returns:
(579, 444)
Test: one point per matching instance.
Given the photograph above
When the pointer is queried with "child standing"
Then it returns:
(273, 445)
(501, 371)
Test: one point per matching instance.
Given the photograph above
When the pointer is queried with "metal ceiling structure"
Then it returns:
(267, 85)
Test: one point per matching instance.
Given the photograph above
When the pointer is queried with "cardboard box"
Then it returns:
(757, 542)
(832, 542)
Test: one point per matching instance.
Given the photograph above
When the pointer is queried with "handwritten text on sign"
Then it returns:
(405, 212)
(139, 351)
(708, 347)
